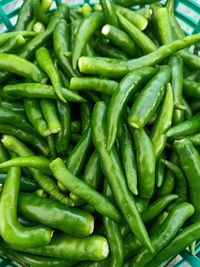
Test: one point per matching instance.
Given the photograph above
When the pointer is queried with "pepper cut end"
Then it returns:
(105, 30)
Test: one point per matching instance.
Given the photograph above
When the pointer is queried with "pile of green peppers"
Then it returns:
(99, 136)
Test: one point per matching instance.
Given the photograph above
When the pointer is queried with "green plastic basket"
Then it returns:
(188, 15)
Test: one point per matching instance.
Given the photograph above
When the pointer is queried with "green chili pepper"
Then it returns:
(17, 107)
(128, 157)
(4, 156)
(145, 11)
(163, 123)
(146, 163)
(94, 84)
(44, 181)
(160, 171)
(62, 46)
(56, 215)
(176, 218)
(131, 244)
(35, 116)
(137, 19)
(12, 232)
(92, 175)
(181, 183)
(191, 88)
(26, 184)
(87, 27)
(188, 111)
(85, 109)
(186, 127)
(167, 185)
(37, 162)
(51, 145)
(37, 90)
(109, 12)
(84, 191)
(11, 63)
(114, 237)
(13, 45)
(24, 16)
(78, 156)
(7, 36)
(112, 169)
(62, 246)
(113, 68)
(86, 10)
(26, 137)
(45, 62)
(126, 88)
(50, 114)
(141, 39)
(149, 99)
(120, 39)
(190, 164)
(176, 64)
(63, 136)
(180, 242)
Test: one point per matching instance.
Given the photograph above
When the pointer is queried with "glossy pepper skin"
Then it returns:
(62, 246)
(167, 231)
(149, 99)
(56, 215)
(146, 163)
(25, 14)
(112, 169)
(109, 12)
(11, 231)
(83, 190)
(190, 163)
(125, 89)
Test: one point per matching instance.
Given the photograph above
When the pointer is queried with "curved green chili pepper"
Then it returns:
(63, 136)
(37, 162)
(94, 84)
(186, 127)
(45, 62)
(86, 110)
(190, 164)
(84, 191)
(62, 246)
(87, 27)
(61, 46)
(126, 88)
(35, 116)
(163, 123)
(37, 90)
(114, 237)
(149, 99)
(181, 183)
(141, 39)
(49, 110)
(176, 218)
(13, 45)
(167, 185)
(12, 232)
(128, 157)
(146, 163)
(113, 68)
(11, 63)
(24, 16)
(112, 169)
(56, 215)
